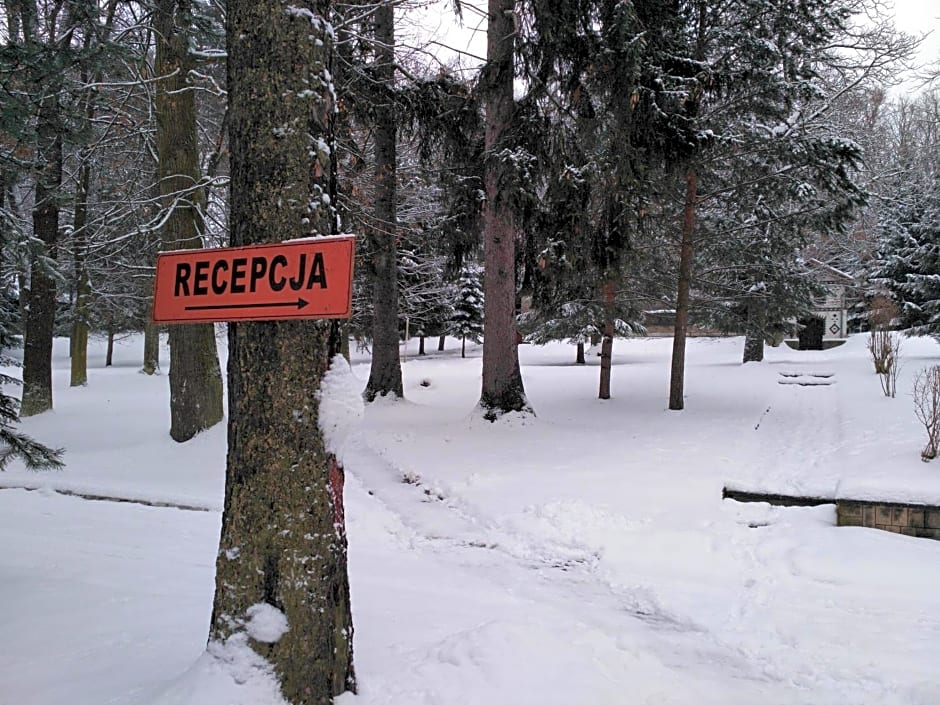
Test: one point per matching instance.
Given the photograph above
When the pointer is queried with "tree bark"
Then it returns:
(463, 347)
(109, 355)
(440, 343)
(78, 340)
(195, 376)
(421, 345)
(754, 333)
(502, 390)
(385, 374)
(151, 349)
(79, 336)
(40, 318)
(283, 542)
(607, 345)
(686, 252)
(579, 356)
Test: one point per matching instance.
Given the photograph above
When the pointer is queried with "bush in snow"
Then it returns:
(927, 407)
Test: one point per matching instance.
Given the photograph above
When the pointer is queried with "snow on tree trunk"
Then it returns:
(502, 389)
(283, 543)
(385, 373)
(195, 376)
(677, 376)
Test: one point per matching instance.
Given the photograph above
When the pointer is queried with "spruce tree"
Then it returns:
(467, 318)
(908, 260)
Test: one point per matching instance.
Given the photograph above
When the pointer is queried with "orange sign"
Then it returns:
(298, 279)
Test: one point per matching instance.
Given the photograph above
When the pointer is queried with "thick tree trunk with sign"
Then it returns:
(283, 543)
(195, 376)
(385, 374)
(502, 380)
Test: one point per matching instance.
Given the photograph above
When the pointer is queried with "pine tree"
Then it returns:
(467, 319)
(15, 444)
(908, 261)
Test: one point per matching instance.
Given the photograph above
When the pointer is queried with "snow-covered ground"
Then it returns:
(583, 556)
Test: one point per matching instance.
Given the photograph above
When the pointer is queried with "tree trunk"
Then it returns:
(151, 348)
(502, 390)
(78, 340)
(421, 345)
(463, 347)
(109, 355)
(754, 333)
(677, 378)
(579, 358)
(195, 376)
(40, 318)
(385, 374)
(440, 343)
(79, 336)
(607, 346)
(283, 542)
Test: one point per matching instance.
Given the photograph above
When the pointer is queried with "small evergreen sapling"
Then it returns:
(467, 319)
(13, 443)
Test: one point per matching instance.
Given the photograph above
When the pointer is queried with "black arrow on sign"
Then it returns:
(298, 304)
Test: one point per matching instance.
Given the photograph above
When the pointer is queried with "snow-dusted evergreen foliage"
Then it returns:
(15, 444)
(466, 322)
(908, 262)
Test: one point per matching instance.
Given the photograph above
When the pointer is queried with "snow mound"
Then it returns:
(228, 672)
(341, 405)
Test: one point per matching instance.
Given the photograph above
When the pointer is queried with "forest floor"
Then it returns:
(583, 556)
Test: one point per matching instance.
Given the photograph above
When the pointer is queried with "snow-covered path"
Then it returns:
(583, 556)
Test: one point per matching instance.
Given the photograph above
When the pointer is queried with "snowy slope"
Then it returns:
(582, 556)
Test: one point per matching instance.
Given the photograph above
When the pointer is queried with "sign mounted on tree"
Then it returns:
(297, 279)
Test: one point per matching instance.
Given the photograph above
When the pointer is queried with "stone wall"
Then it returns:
(908, 519)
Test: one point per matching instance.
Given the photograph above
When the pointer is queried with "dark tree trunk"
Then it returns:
(503, 390)
(195, 376)
(385, 374)
(421, 345)
(677, 378)
(440, 343)
(579, 357)
(109, 355)
(463, 347)
(607, 345)
(40, 318)
(151, 349)
(754, 333)
(283, 541)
